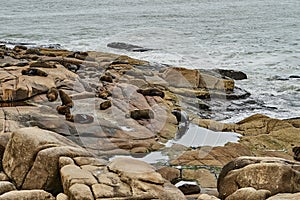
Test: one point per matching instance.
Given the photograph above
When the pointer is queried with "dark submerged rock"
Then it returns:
(127, 47)
(236, 75)
(189, 189)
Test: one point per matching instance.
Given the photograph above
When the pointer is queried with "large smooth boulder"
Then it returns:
(144, 181)
(258, 172)
(31, 158)
(249, 194)
(6, 186)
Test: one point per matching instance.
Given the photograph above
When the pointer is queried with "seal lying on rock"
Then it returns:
(105, 105)
(141, 114)
(72, 67)
(296, 151)
(181, 116)
(52, 94)
(151, 92)
(106, 78)
(34, 72)
(65, 99)
(63, 110)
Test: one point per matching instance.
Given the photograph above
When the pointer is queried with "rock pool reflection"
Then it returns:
(197, 136)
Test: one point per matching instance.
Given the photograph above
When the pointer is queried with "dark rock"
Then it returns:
(17, 43)
(294, 76)
(296, 151)
(51, 46)
(189, 189)
(127, 47)
(236, 75)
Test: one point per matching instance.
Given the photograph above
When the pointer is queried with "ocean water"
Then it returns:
(258, 37)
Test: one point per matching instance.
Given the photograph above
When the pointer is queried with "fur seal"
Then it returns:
(105, 105)
(52, 94)
(151, 92)
(72, 67)
(63, 110)
(142, 114)
(181, 116)
(106, 78)
(69, 117)
(183, 122)
(34, 72)
(296, 151)
(65, 99)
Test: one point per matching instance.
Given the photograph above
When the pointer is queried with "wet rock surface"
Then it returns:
(65, 114)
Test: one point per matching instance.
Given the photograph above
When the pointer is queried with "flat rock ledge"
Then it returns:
(40, 164)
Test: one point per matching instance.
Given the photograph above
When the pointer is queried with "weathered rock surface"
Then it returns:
(35, 165)
(263, 135)
(258, 172)
(50, 162)
(27, 195)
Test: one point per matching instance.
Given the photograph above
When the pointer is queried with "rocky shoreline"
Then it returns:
(65, 115)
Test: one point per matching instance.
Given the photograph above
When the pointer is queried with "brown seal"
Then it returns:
(52, 94)
(106, 78)
(65, 99)
(69, 117)
(141, 114)
(105, 105)
(34, 72)
(151, 92)
(63, 110)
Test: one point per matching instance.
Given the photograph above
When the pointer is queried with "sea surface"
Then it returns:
(258, 37)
